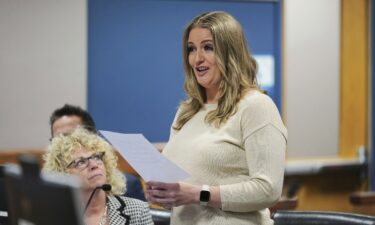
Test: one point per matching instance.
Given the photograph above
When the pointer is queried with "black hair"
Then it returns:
(71, 110)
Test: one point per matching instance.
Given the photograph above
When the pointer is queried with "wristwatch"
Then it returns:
(205, 195)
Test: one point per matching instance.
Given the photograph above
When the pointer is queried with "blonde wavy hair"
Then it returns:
(237, 67)
(60, 150)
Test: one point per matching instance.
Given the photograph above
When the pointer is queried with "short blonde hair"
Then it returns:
(60, 150)
(237, 67)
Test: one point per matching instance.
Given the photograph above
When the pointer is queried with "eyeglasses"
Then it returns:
(82, 163)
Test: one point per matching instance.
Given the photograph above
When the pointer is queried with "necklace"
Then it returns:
(103, 219)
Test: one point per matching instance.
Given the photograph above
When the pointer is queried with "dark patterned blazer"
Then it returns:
(128, 211)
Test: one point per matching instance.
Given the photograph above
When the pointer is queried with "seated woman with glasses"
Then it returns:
(93, 160)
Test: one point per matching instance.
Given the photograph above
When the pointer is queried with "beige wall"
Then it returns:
(311, 76)
(42, 66)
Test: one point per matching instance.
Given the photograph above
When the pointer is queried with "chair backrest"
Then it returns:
(3, 200)
(286, 217)
(41, 198)
(161, 216)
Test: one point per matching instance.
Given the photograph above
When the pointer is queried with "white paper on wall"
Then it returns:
(266, 70)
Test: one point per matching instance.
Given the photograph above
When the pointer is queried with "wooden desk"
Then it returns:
(11, 156)
(285, 204)
(362, 198)
(363, 202)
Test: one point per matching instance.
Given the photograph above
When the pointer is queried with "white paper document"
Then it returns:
(145, 158)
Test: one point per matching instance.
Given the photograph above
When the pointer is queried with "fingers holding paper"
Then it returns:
(169, 195)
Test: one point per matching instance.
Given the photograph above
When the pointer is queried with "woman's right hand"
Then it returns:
(169, 195)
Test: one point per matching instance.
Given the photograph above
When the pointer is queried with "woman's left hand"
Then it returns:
(169, 195)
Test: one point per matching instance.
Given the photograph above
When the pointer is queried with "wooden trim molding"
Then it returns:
(354, 77)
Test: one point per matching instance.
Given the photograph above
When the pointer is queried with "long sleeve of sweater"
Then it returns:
(265, 155)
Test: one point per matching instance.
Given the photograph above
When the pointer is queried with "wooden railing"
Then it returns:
(10, 156)
(284, 204)
(363, 202)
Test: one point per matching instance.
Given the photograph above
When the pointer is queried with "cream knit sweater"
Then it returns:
(245, 157)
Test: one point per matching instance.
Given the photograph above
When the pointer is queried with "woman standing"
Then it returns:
(227, 134)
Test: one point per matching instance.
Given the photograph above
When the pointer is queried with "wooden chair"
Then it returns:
(284, 204)
(363, 202)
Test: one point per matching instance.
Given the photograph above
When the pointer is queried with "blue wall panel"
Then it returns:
(135, 73)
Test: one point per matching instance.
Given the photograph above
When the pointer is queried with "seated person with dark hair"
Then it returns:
(66, 119)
